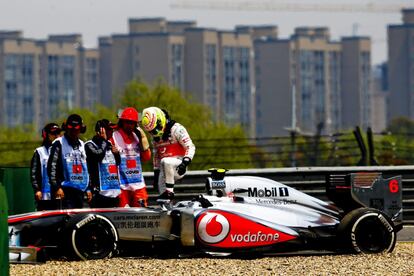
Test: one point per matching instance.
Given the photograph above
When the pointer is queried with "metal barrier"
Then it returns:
(310, 180)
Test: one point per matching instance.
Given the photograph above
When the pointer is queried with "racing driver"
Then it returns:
(173, 149)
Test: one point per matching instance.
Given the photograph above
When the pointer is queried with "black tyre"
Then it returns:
(367, 230)
(90, 236)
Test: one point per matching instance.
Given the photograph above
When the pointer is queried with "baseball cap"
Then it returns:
(106, 124)
(52, 128)
(74, 121)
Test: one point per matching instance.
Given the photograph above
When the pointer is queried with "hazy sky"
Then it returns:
(94, 18)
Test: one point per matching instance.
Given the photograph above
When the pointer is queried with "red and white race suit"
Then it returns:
(169, 153)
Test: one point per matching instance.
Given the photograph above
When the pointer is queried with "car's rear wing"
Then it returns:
(368, 189)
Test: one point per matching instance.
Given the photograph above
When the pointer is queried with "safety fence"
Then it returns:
(349, 148)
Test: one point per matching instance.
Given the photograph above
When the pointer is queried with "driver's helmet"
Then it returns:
(154, 121)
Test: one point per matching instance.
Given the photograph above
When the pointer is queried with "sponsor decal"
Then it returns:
(218, 184)
(132, 172)
(77, 168)
(112, 169)
(85, 221)
(272, 192)
(275, 201)
(386, 223)
(213, 227)
(137, 221)
(227, 230)
(131, 163)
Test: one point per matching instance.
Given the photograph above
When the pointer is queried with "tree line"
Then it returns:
(220, 145)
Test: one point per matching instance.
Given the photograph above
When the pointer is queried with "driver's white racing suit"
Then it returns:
(169, 152)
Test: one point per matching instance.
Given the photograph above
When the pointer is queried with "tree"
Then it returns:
(217, 145)
(17, 145)
(401, 126)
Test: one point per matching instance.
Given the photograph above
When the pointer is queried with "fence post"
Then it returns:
(4, 239)
(363, 149)
(372, 161)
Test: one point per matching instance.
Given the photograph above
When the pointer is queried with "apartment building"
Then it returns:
(148, 52)
(215, 67)
(401, 67)
(20, 98)
(40, 78)
(298, 83)
(379, 98)
(247, 76)
(356, 82)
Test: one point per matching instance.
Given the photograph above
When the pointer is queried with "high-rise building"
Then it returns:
(356, 84)
(148, 52)
(216, 67)
(379, 98)
(42, 77)
(202, 52)
(401, 67)
(20, 98)
(298, 83)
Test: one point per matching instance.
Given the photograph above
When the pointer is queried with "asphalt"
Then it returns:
(406, 234)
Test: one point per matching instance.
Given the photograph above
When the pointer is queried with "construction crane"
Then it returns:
(292, 6)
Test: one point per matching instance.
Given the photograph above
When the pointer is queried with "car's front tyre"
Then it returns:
(90, 236)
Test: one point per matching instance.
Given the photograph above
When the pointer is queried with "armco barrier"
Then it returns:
(311, 180)
(18, 189)
(4, 240)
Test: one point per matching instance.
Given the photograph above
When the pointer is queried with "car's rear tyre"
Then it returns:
(90, 236)
(367, 230)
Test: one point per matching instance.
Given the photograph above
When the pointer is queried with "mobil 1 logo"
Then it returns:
(268, 192)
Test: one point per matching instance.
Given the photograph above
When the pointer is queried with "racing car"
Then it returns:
(237, 215)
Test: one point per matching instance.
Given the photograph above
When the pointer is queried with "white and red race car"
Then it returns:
(238, 215)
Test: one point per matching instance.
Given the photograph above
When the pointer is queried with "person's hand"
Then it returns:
(143, 138)
(182, 168)
(38, 195)
(60, 194)
(114, 149)
(102, 133)
(89, 196)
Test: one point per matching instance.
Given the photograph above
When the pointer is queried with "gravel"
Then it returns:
(399, 262)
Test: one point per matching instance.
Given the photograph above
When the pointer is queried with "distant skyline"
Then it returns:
(94, 18)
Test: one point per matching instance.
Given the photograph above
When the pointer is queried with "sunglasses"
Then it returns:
(75, 127)
(129, 122)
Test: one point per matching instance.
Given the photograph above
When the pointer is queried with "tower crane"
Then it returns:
(292, 6)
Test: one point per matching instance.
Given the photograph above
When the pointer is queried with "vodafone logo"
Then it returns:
(213, 228)
(223, 229)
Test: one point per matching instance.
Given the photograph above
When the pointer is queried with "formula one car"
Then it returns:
(238, 215)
